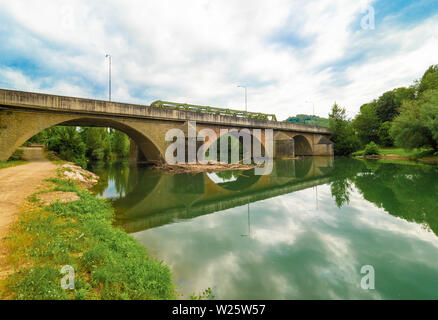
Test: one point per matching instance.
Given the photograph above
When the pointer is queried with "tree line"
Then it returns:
(84, 144)
(403, 117)
(309, 120)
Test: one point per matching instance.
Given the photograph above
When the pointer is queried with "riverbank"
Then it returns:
(12, 163)
(63, 224)
(418, 155)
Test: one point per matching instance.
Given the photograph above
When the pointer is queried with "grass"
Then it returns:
(11, 163)
(413, 154)
(108, 263)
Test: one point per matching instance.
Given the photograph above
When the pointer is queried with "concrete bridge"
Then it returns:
(154, 199)
(24, 114)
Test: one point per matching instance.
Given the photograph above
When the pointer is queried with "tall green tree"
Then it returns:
(67, 142)
(429, 81)
(429, 113)
(120, 144)
(343, 135)
(410, 129)
(97, 141)
(367, 123)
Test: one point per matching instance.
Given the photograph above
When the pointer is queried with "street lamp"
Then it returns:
(109, 75)
(246, 97)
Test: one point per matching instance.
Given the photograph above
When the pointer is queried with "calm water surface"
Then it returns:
(303, 232)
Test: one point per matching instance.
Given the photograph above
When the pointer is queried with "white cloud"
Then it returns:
(199, 51)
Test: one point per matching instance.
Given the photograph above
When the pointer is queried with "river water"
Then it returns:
(318, 228)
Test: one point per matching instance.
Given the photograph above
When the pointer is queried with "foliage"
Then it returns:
(108, 263)
(416, 124)
(120, 144)
(367, 123)
(85, 144)
(389, 103)
(429, 112)
(371, 149)
(207, 294)
(343, 135)
(429, 81)
(67, 142)
(373, 121)
(97, 141)
(385, 138)
(309, 120)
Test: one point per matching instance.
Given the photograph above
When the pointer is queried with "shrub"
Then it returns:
(371, 149)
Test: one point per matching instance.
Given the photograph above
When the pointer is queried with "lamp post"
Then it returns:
(246, 97)
(109, 75)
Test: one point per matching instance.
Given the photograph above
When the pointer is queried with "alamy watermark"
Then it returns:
(68, 281)
(229, 145)
(368, 280)
(367, 22)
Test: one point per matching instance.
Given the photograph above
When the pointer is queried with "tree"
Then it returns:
(429, 81)
(343, 135)
(97, 140)
(120, 144)
(409, 129)
(429, 113)
(385, 138)
(367, 123)
(389, 103)
(67, 142)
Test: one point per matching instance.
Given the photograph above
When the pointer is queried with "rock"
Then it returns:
(49, 197)
(76, 173)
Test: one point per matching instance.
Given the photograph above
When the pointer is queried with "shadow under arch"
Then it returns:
(144, 143)
(302, 146)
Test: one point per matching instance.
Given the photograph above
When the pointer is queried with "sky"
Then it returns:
(292, 55)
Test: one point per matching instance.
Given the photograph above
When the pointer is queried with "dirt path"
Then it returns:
(16, 184)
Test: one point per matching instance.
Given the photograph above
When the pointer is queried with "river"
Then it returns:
(318, 228)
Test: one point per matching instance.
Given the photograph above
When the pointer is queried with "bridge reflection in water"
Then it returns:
(145, 198)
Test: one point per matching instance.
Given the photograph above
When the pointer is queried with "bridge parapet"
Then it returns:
(47, 102)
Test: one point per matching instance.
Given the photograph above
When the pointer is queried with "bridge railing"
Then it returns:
(213, 110)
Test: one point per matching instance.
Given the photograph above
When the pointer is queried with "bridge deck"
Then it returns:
(53, 103)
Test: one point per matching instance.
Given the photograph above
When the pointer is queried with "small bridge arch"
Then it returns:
(30, 124)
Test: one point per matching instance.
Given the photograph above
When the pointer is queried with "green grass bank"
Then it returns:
(11, 163)
(423, 154)
(108, 263)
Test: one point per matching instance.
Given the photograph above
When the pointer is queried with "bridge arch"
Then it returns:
(18, 127)
(303, 145)
(242, 136)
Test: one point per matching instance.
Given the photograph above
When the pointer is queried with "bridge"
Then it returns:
(24, 114)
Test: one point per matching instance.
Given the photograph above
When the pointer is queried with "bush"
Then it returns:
(371, 149)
